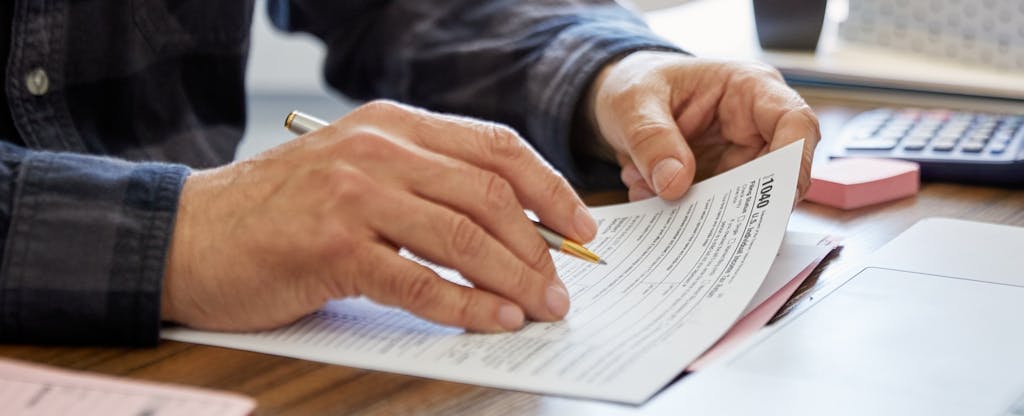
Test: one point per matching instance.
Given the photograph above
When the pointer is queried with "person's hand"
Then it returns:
(262, 242)
(671, 119)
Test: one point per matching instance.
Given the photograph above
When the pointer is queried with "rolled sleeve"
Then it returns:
(85, 249)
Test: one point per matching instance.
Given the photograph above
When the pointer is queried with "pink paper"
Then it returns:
(756, 318)
(752, 322)
(858, 182)
(32, 389)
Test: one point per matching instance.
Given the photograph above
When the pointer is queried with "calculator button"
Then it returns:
(972, 147)
(950, 132)
(892, 136)
(900, 124)
(918, 137)
(915, 144)
(979, 136)
(943, 146)
(872, 144)
(998, 148)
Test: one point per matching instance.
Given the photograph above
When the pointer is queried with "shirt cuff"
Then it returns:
(568, 67)
(86, 250)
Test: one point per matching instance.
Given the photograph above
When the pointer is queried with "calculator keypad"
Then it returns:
(911, 133)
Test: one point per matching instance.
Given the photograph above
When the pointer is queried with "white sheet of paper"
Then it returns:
(678, 275)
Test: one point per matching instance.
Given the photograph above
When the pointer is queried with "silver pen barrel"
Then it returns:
(301, 123)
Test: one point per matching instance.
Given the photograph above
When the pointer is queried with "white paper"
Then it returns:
(678, 276)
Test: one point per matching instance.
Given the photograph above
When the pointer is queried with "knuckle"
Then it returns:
(502, 142)
(337, 242)
(368, 145)
(758, 76)
(556, 190)
(378, 107)
(647, 132)
(808, 114)
(466, 310)
(764, 69)
(749, 80)
(521, 281)
(499, 194)
(340, 282)
(417, 293)
(540, 258)
(466, 238)
(341, 182)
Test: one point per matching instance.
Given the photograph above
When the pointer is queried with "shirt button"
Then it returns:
(37, 81)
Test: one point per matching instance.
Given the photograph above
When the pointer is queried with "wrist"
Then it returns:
(587, 137)
(178, 266)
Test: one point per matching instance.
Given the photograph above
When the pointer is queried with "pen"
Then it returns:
(301, 123)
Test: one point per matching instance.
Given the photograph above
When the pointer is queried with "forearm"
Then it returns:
(85, 249)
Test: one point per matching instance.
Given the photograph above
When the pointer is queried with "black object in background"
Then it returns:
(789, 24)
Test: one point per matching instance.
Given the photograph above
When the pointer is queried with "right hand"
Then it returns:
(262, 242)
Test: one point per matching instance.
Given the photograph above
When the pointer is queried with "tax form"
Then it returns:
(678, 275)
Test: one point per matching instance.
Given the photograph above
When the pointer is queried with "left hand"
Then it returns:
(671, 118)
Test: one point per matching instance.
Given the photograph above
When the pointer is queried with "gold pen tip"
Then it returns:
(288, 120)
(602, 262)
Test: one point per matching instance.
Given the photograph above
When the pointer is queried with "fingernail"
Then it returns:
(510, 317)
(558, 301)
(664, 172)
(584, 223)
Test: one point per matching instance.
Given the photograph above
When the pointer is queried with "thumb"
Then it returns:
(658, 149)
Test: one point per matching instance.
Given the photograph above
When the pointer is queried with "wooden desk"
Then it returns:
(291, 386)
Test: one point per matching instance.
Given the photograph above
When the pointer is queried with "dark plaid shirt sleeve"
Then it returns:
(523, 63)
(60, 205)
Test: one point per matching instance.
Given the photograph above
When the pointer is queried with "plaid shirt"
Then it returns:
(113, 104)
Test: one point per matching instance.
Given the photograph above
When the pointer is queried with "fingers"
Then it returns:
(796, 124)
(777, 114)
(634, 181)
(400, 282)
(453, 240)
(656, 147)
(658, 106)
(484, 196)
(500, 150)
(489, 201)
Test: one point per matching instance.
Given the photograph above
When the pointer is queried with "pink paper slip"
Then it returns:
(32, 389)
(858, 182)
(757, 317)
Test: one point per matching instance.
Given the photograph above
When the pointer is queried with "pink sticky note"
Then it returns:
(858, 182)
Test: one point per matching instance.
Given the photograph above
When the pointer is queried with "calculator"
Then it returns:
(955, 146)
